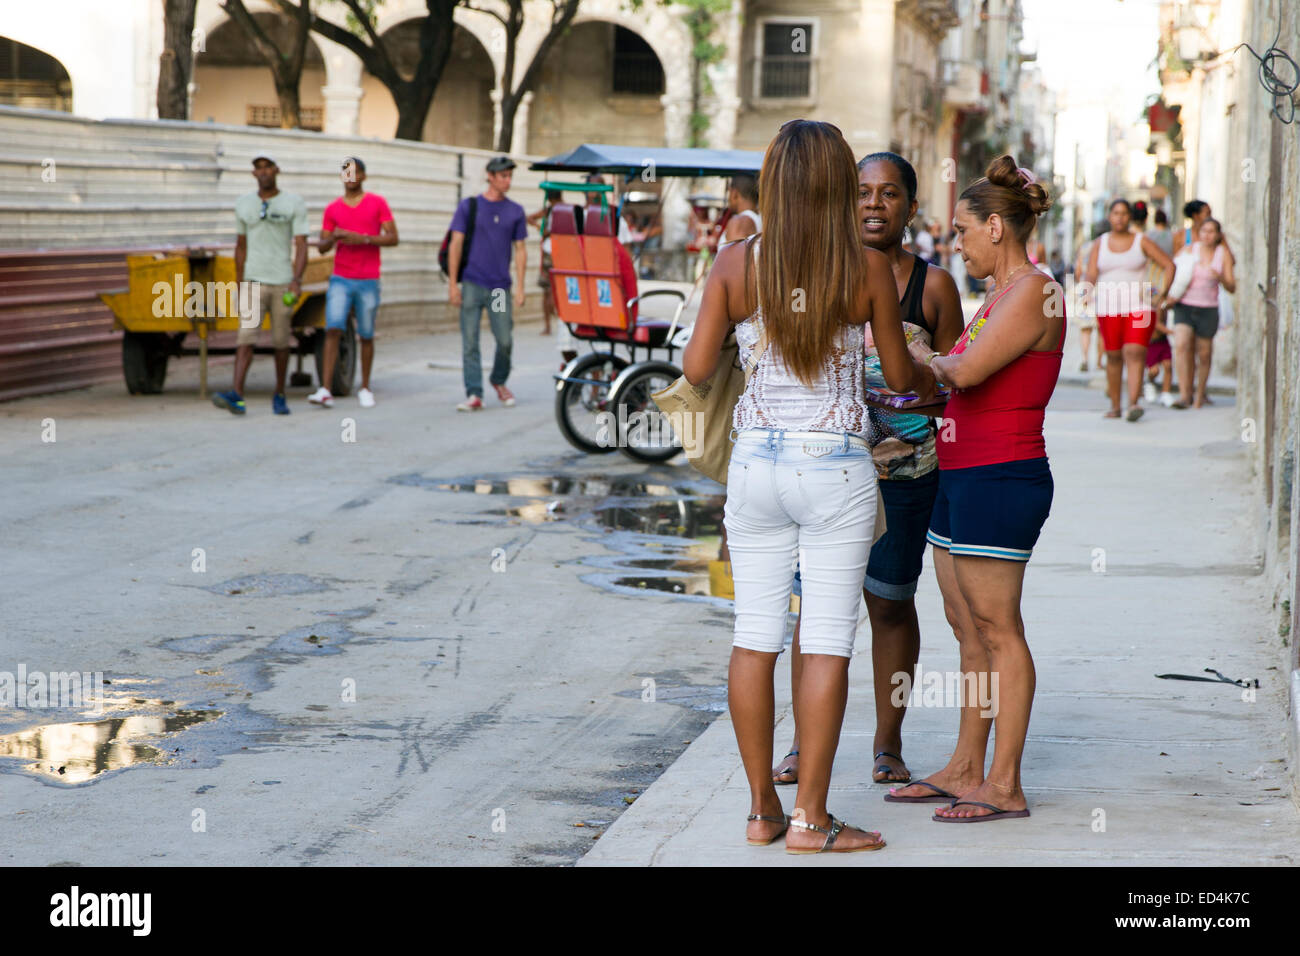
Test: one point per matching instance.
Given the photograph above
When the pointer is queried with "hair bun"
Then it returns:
(1004, 172)
(1039, 200)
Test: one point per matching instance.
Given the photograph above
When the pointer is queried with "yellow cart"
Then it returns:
(171, 295)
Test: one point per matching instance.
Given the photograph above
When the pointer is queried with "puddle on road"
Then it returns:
(666, 534)
(130, 731)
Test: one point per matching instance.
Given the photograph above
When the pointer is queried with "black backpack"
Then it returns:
(464, 252)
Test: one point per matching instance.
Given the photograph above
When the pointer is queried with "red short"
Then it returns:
(1120, 330)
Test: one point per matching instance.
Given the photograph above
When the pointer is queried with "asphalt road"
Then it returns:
(314, 654)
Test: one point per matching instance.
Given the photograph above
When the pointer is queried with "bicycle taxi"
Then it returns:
(602, 399)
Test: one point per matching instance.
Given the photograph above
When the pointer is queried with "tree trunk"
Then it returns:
(177, 59)
(509, 107)
(286, 90)
(411, 97)
(412, 110)
(285, 66)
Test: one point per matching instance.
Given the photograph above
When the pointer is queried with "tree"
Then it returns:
(562, 14)
(411, 96)
(286, 65)
(177, 59)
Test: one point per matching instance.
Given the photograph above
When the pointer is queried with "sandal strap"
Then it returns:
(805, 825)
(837, 827)
(759, 816)
(886, 753)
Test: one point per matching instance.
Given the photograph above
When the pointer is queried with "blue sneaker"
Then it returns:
(279, 405)
(230, 401)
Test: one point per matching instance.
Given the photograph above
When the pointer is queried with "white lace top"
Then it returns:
(775, 398)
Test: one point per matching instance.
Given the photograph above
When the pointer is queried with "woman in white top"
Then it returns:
(801, 481)
(1117, 270)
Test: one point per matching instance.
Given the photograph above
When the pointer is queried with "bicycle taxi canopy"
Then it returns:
(657, 161)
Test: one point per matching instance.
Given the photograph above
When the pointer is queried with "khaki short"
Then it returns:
(281, 318)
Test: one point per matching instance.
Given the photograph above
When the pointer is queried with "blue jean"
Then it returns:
(360, 296)
(807, 499)
(474, 299)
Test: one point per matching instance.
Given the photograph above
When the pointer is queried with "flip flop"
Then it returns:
(1134, 413)
(780, 833)
(882, 768)
(1112, 413)
(997, 814)
(939, 796)
(786, 773)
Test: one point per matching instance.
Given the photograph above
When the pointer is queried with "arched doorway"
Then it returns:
(234, 85)
(602, 83)
(461, 114)
(32, 79)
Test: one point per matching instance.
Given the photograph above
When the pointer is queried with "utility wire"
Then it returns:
(1276, 87)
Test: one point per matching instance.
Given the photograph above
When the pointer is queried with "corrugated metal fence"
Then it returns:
(77, 194)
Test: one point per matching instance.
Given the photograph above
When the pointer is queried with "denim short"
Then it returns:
(360, 296)
(992, 511)
(800, 497)
(894, 567)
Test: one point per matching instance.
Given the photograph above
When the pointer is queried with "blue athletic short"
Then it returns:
(992, 511)
(894, 567)
(359, 296)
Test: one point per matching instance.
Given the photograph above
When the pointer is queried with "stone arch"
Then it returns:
(232, 84)
(574, 97)
(32, 78)
(461, 113)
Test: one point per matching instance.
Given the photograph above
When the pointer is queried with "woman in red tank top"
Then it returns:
(995, 489)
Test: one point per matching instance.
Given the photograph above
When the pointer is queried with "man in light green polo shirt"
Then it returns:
(268, 224)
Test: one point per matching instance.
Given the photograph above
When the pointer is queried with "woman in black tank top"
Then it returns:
(906, 466)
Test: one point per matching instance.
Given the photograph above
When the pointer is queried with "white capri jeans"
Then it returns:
(799, 497)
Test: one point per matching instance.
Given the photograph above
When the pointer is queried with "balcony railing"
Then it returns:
(309, 117)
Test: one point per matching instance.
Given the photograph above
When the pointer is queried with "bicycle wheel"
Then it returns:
(582, 408)
(645, 433)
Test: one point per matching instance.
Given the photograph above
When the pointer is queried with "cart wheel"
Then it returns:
(581, 410)
(647, 436)
(345, 369)
(144, 361)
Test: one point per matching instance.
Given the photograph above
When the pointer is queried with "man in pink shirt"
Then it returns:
(359, 223)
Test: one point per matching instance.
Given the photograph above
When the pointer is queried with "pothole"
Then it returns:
(271, 585)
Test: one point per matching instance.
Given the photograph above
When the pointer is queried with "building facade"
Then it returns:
(1224, 140)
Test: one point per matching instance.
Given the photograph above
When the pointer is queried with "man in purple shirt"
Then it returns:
(500, 224)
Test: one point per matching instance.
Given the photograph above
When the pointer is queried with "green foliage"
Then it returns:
(699, 20)
(354, 25)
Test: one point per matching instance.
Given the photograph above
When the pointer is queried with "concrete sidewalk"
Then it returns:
(1121, 768)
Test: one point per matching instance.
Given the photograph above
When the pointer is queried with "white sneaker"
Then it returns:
(366, 397)
(321, 397)
(1149, 391)
(1167, 399)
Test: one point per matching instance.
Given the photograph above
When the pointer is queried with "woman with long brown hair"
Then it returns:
(995, 490)
(801, 480)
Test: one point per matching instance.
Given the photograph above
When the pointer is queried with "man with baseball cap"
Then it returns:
(268, 223)
(500, 227)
